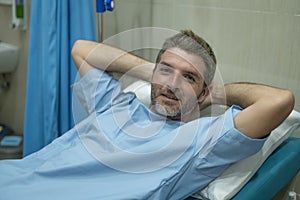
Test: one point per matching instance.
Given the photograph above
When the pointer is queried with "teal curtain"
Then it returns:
(54, 27)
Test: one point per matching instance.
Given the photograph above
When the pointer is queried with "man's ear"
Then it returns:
(204, 99)
(204, 94)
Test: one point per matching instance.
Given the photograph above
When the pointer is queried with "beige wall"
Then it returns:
(12, 101)
(254, 40)
(258, 40)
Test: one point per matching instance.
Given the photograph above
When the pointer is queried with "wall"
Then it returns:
(254, 40)
(12, 103)
(248, 37)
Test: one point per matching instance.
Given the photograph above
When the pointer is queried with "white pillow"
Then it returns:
(238, 174)
(142, 90)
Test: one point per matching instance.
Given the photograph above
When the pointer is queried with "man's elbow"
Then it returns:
(286, 102)
(81, 50)
(76, 48)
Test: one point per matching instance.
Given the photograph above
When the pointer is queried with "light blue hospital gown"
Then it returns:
(124, 151)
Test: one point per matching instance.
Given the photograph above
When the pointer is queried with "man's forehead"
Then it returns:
(194, 60)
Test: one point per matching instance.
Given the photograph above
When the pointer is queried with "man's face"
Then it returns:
(177, 84)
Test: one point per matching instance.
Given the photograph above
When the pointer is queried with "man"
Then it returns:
(262, 102)
(124, 150)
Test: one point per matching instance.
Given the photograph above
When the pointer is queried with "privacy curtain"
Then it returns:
(54, 27)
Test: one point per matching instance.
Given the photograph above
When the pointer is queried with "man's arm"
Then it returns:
(88, 55)
(264, 107)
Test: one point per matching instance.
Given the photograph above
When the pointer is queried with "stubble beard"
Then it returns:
(164, 108)
(171, 110)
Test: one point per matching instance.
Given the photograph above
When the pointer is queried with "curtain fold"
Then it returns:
(54, 27)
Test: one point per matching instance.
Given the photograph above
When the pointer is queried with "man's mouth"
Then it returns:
(169, 97)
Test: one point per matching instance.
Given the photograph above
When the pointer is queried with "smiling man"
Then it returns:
(178, 86)
(185, 66)
(125, 150)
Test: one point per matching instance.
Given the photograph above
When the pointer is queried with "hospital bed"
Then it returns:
(260, 176)
(276, 172)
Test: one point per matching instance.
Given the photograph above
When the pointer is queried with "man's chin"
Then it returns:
(166, 111)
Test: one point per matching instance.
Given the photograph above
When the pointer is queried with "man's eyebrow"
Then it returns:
(193, 73)
(196, 73)
(165, 63)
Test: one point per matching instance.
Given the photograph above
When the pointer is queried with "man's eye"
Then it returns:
(165, 69)
(189, 77)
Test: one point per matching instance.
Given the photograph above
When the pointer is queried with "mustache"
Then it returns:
(166, 91)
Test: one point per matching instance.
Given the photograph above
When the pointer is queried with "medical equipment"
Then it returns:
(101, 7)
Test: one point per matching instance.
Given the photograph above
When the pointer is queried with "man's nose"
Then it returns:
(174, 81)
